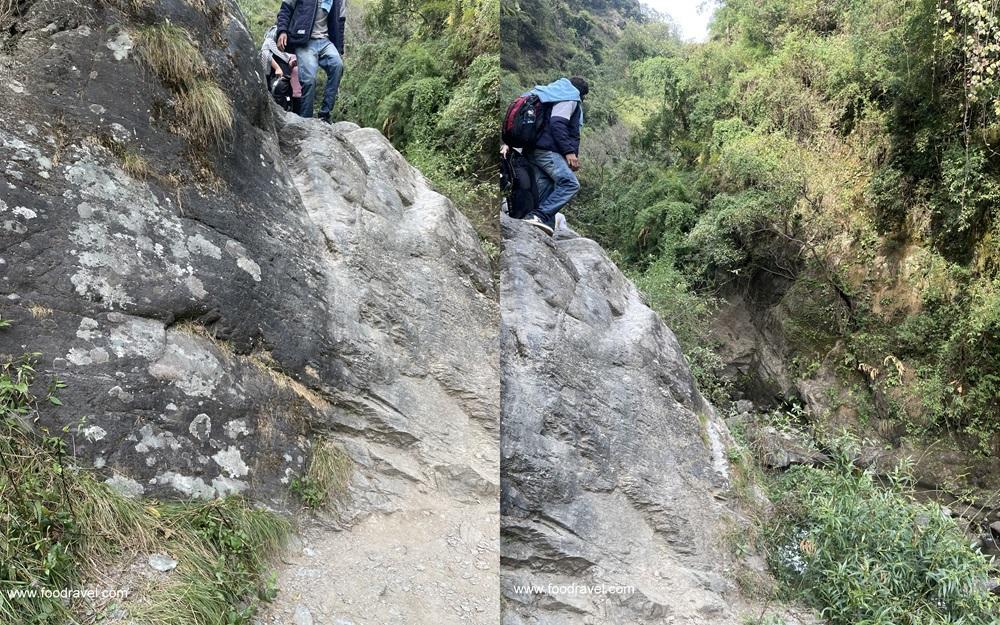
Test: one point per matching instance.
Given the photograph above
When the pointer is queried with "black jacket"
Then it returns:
(297, 17)
(561, 134)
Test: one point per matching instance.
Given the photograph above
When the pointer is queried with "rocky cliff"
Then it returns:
(216, 307)
(610, 457)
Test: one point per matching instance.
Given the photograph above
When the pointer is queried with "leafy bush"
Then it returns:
(867, 553)
(467, 125)
(967, 200)
(260, 15)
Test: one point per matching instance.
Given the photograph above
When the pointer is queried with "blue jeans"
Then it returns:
(557, 184)
(319, 53)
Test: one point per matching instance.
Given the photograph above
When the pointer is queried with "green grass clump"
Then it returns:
(61, 526)
(328, 474)
(222, 547)
(867, 553)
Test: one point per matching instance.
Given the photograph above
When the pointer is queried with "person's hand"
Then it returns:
(279, 73)
(573, 162)
(282, 41)
(504, 150)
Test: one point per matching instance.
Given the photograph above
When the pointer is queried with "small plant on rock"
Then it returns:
(328, 474)
(171, 53)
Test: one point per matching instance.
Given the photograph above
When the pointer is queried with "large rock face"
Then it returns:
(215, 311)
(609, 455)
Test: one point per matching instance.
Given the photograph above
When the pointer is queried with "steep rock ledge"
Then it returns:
(610, 456)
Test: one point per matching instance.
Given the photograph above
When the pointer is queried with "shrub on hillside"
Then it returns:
(867, 553)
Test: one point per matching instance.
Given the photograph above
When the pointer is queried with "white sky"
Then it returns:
(691, 16)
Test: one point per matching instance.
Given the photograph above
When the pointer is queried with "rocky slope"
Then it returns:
(217, 310)
(610, 456)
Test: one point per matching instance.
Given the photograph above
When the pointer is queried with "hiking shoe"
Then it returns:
(541, 225)
(325, 118)
(561, 223)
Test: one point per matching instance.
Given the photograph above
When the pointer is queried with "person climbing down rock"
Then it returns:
(282, 71)
(314, 31)
(554, 156)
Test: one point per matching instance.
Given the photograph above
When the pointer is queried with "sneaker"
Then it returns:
(563, 231)
(541, 225)
(325, 118)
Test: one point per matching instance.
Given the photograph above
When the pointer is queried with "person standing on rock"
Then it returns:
(555, 153)
(314, 31)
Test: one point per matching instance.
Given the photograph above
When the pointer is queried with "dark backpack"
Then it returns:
(517, 183)
(281, 88)
(524, 121)
(281, 91)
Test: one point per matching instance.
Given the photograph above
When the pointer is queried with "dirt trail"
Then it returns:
(436, 564)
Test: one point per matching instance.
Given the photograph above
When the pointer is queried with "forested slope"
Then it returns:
(840, 159)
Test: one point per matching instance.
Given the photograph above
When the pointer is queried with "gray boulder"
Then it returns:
(609, 454)
(215, 312)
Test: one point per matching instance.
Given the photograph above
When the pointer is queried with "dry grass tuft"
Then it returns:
(331, 467)
(205, 112)
(171, 53)
(136, 165)
(196, 329)
(326, 478)
(266, 363)
(8, 9)
(128, 6)
(39, 312)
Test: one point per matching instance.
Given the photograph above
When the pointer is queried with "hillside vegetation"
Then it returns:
(847, 151)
